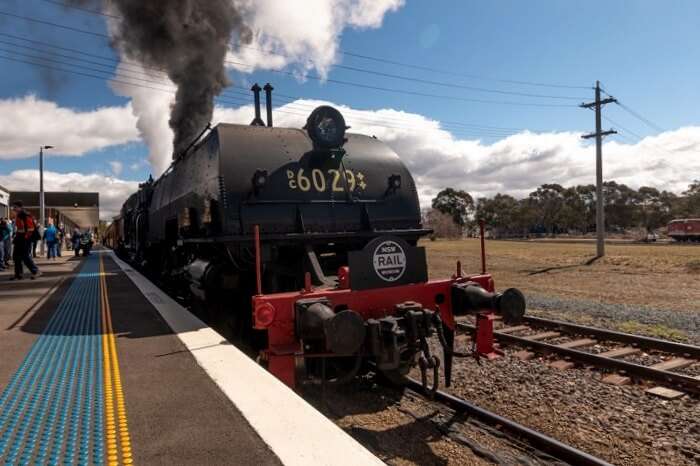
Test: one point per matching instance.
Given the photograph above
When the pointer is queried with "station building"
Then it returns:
(73, 209)
(4, 202)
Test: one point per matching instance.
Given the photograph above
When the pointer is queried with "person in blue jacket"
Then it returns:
(51, 238)
(5, 234)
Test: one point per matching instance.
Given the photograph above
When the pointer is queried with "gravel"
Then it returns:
(402, 428)
(612, 315)
(622, 425)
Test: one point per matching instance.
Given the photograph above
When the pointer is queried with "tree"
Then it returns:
(575, 209)
(654, 207)
(457, 204)
(692, 202)
(442, 224)
(548, 202)
(620, 208)
(499, 212)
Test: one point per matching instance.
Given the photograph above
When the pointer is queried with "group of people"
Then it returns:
(19, 238)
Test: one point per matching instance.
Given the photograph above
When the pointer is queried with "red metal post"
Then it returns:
(484, 336)
(258, 271)
(483, 247)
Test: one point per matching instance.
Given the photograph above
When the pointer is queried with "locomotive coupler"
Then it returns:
(419, 326)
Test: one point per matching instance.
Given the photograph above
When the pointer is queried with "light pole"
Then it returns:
(42, 205)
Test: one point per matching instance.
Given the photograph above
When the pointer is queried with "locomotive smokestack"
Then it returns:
(257, 121)
(186, 39)
(268, 102)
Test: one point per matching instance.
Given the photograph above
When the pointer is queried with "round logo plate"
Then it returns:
(389, 261)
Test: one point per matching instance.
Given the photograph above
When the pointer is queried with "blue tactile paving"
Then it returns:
(52, 410)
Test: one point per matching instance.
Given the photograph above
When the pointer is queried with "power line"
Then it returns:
(405, 91)
(641, 118)
(337, 81)
(610, 120)
(139, 74)
(640, 138)
(49, 23)
(87, 10)
(453, 73)
(437, 83)
(638, 116)
(385, 61)
(120, 80)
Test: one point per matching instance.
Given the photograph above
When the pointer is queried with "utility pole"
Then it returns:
(598, 135)
(42, 205)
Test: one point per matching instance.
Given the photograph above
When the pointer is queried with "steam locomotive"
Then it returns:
(306, 241)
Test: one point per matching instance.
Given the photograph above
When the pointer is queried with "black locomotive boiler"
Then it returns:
(305, 240)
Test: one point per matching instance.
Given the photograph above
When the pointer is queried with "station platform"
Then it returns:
(98, 366)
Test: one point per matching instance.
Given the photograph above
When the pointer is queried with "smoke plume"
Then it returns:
(187, 40)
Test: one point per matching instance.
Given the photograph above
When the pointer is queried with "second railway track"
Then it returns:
(580, 338)
(556, 449)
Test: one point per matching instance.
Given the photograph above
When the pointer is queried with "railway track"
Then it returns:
(573, 344)
(556, 449)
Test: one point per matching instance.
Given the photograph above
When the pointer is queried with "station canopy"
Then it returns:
(79, 209)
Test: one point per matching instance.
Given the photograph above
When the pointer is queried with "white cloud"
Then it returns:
(437, 158)
(301, 32)
(137, 165)
(28, 122)
(117, 167)
(516, 164)
(113, 191)
(305, 33)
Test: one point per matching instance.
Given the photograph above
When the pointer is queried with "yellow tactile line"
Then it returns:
(114, 427)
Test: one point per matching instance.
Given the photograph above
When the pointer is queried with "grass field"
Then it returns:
(659, 276)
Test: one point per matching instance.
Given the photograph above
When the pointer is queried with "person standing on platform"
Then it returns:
(51, 238)
(34, 239)
(76, 241)
(25, 230)
(4, 233)
(7, 246)
(61, 236)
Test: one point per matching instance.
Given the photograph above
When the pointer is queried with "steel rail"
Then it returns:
(542, 442)
(612, 335)
(680, 381)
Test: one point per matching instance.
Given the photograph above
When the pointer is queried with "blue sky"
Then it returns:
(646, 53)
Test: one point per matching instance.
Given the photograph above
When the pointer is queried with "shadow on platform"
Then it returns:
(132, 314)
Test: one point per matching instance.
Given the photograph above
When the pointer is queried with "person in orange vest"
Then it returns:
(25, 231)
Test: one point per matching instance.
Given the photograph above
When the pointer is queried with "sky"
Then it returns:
(477, 95)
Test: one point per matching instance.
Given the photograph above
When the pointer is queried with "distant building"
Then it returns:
(4, 202)
(73, 209)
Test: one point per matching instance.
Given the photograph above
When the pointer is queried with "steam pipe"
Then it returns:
(257, 121)
(268, 103)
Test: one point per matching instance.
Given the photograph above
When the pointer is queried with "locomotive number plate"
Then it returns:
(325, 180)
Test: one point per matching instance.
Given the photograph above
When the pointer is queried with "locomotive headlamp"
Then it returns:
(326, 128)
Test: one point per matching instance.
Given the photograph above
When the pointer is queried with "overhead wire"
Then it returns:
(379, 60)
(637, 115)
(333, 80)
(128, 81)
(125, 71)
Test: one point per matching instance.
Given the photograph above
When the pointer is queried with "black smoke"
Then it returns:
(186, 39)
